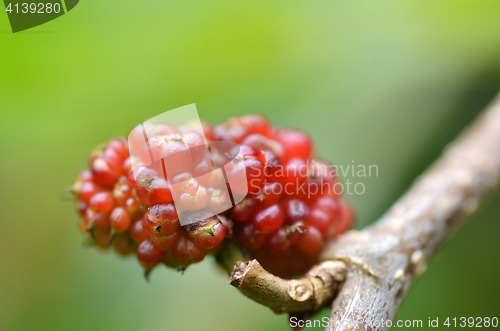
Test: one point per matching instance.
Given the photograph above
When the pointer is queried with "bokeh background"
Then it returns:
(385, 83)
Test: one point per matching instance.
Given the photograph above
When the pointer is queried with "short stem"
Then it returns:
(317, 288)
(231, 253)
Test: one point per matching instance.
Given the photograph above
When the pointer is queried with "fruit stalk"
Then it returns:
(309, 293)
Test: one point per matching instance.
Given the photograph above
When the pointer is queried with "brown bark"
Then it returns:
(308, 293)
(383, 260)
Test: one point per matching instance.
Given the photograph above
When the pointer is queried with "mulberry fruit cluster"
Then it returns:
(291, 207)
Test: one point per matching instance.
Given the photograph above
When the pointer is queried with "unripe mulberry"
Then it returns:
(290, 212)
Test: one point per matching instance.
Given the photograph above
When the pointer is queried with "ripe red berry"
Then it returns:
(296, 211)
(137, 232)
(236, 129)
(148, 255)
(96, 220)
(244, 210)
(159, 191)
(120, 219)
(154, 229)
(87, 190)
(188, 193)
(208, 131)
(228, 224)
(262, 143)
(202, 168)
(128, 165)
(119, 146)
(122, 191)
(187, 251)
(249, 237)
(102, 202)
(231, 130)
(171, 149)
(269, 194)
(328, 205)
(85, 176)
(82, 208)
(142, 176)
(151, 188)
(294, 178)
(255, 124)
(197, 147)
(196, 253)
(207, 233)
(321, 221)
(310, 243)
(254, 168)
(161, 214)
(279, 241)
(320, 180)
(185, 189)
(166, 242)
(152, 150)
(134, 208)
(272, 166)
(296, 144)
(104, 172)
(161, 220)
(217, 200)
(142, 195)
(269, 219)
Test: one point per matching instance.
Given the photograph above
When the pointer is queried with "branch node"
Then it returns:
(309, 293)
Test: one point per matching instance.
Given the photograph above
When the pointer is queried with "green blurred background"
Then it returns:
(388, 83)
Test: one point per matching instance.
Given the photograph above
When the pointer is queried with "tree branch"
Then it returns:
(311, 292)
(384, 259)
